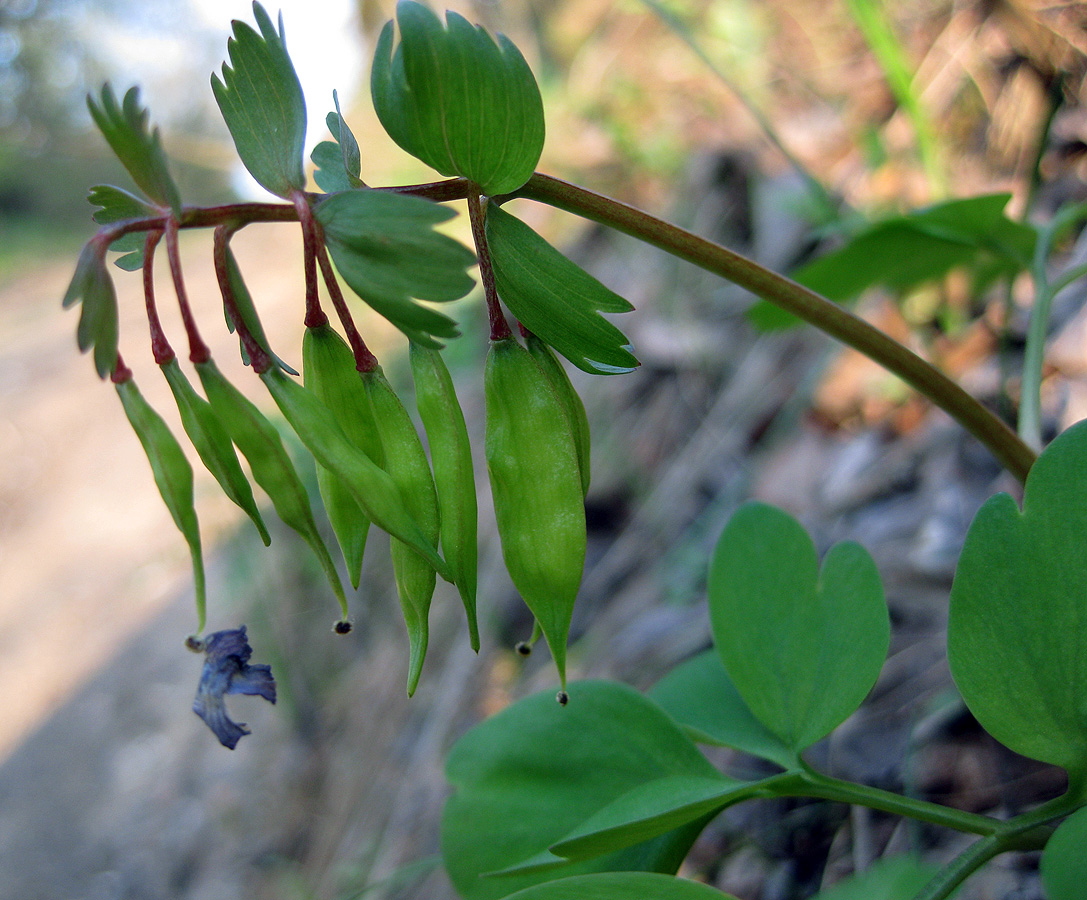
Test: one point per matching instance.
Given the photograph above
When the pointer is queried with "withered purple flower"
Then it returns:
(227, 671)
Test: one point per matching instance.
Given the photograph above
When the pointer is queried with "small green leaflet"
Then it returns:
(98, 326)
(387, 250)
(454, 98)
(621, 886)
(803, 644)
(891, 878)
(261, 100)
(1017, 620)
(124, 127)
(1064, 864)
(556, 299)
(339, 162)
(116, 205)
(904, 252)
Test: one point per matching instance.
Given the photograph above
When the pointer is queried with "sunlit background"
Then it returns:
(711, 112)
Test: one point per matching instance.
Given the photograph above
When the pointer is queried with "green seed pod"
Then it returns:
(174, 478)
(329, 372)
(270, 464)
(454, 475)
(213, 444)
(571, 402)
(372, 487)
(406, 463)
(536, 482)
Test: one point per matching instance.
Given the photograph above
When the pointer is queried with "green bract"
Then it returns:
(1018, 618)
(454, 98)
(1064, 863)
(243, 303)
(173, 476)
(556, 299)
(803, 645)
(92, 286)
(532, 774)
(387, 250)
(125, 129)
(262, 104)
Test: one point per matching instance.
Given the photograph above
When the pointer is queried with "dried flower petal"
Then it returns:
(227, 671)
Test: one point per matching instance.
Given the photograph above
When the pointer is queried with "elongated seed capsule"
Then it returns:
(270, 464)
(376, 492)
(454, 475)
(536, 482)
(406, 463)
(174, 478)
(213, 444)
(571, 402)
(328, 368)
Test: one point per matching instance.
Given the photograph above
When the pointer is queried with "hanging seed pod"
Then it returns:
(329, 372)
(372, 487)
(213, 444)
(406, 463)
(568, 397)
(270, 464)
(454, 475)
(174, 478)
(536, 482)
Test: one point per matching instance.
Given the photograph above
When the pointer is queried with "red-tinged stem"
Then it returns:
(260, 360)
(500, 328)
(160, 346)
(315, 316)
(198, 350)
(121, 373)
(365, 361)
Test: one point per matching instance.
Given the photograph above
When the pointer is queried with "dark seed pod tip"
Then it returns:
(194, 643)
(524, 648)
(342, 627)
(562, 697)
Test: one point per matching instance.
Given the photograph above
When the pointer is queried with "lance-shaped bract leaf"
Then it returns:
(98, 327)
(261, 100)
(621, 886)
(527, 776)
(556, 299)
(339, 162)
(117, 205)
(1016, 625)
(454, 98)
(387, 250)
(270, 464)
(700, 696)
(454, 474)
(173, 476)
(124, 127)
(803, 645)
(330, 373)
(213, 444)
(1064, 864)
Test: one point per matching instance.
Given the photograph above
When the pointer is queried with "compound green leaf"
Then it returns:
(621, 886)
(556, 299)
(98, 325)
(458, 100)
(173, 477)
(526, 777)
(387, 250)
(1017, 619)
(904, 252)
(124, 126)
(1064, 863)
(262, 104)
(803, 645)
(700, 695)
